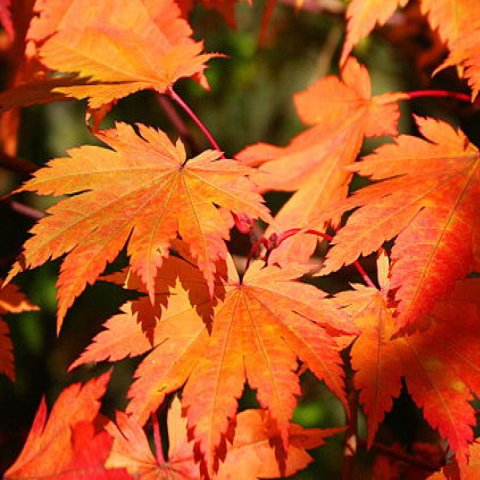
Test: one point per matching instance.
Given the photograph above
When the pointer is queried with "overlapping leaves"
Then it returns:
(144, 191)
(342, 112)
(429, 197)
(440, 364)
(259, 328)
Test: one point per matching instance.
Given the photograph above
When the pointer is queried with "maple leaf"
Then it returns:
(465, 53)
(120, 48)
(144, 191)
(428, 197)
(362, 16)
(65, 446)
(471, 472)
(440, 364)
(263, 325)
(251, 449)
(342, 111)
(11, 301)
(452, 18)
(258, 330)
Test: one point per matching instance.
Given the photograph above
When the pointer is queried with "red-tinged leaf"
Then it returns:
(144, 191)
(471, 472)
(250, 455)
(6, 352)
(120, 47)
(264, 324)
(131, 449)
(428, 197)
(362, 16)
(313, 164)
(11, 301)
(440, 364)
(6, 17)
(50, 449)
(268, 311)
(176, 332)
(91, 451)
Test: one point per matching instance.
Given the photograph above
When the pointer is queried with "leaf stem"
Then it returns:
(177, 121)
(180, 102)
(17, 164)
(25, 210)
(158, 440)
(463, 97)
(274, 241)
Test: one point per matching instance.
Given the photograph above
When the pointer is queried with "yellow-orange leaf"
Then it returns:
(248, 457)
(264, 324)
(120, 47)
(440, 364)
(342, 111)
(144, 191)
(259, 329)
(429, 197)
(362, 16)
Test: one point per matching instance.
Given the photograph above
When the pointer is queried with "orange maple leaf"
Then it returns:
(452, 18)
(265, 323)
(471, 472)
(249, 456)
(465, 54)
(121, 47)
(428, 197)
(11, 301)
(440, 364)
(259, 328)
(146, 192)
(66, 445)
(343, 112)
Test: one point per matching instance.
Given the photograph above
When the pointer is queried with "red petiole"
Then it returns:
(274, 241)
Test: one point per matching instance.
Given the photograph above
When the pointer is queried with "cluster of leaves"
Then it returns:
(205, 329)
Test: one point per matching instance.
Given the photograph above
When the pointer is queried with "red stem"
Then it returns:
(174, 96)
(463, 97)
(174, 117)
(158, 440)
(290, 233)
(25, 210)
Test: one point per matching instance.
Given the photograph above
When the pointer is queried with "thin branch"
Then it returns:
(401, 456)
(17, 164)
(463, 97)
(174, 96)
(351, 434)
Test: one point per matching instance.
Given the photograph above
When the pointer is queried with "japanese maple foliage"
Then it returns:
(213, 324)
